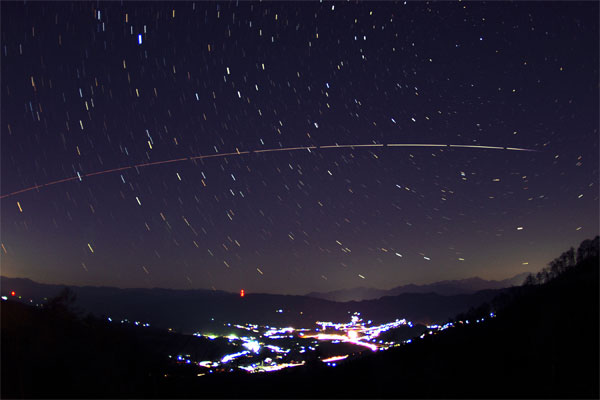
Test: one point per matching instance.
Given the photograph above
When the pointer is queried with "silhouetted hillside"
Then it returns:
(543, 343)
(51, 355)
(56, 352)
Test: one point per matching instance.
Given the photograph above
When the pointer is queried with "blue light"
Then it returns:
(140, 38)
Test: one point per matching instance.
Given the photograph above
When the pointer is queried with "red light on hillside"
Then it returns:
(13, 293)
(242, 293)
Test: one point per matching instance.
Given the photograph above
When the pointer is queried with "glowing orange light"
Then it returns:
(242, 293)
(12, 293)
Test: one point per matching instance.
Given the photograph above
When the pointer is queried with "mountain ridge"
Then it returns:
(445, 287)
(201, 309)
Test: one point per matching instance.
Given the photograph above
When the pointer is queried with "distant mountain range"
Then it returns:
(446, 288)
(192, 310)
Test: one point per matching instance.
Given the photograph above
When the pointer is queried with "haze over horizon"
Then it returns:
(282, 293)
(230, 95)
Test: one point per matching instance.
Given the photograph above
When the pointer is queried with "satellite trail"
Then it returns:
(240, 153)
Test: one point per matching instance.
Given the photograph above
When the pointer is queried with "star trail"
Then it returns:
(295, 147)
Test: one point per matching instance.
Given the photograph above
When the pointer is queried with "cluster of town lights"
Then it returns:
(255, 345)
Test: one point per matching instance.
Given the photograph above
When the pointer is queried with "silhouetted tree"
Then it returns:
(64, 303)
(587, 249)
(571, 257)
(539, 277)
(529, 281)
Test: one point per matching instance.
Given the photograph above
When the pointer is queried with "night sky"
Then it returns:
(93, 87)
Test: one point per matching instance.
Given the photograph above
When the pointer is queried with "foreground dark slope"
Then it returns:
(55, 353)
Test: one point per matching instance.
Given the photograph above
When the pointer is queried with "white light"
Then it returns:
(230, 357)
(252, 346)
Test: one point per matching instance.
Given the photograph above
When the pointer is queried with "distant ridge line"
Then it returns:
(444, 288)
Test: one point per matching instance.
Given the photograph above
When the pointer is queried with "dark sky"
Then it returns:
(90, 87)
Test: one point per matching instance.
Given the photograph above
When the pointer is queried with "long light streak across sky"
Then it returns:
(240, 153)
